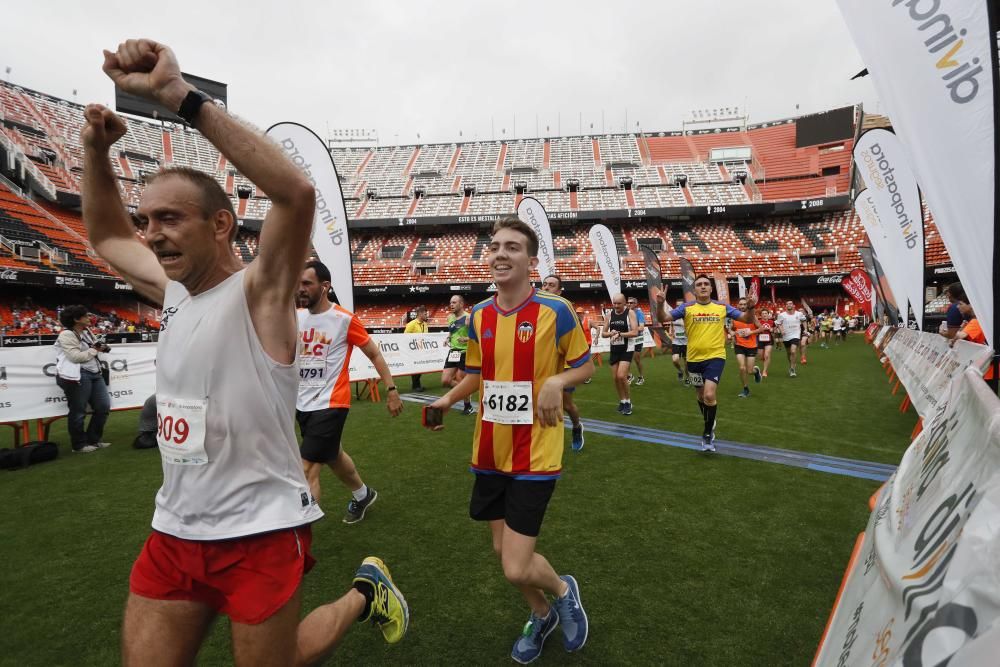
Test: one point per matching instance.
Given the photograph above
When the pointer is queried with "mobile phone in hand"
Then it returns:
(432, 417)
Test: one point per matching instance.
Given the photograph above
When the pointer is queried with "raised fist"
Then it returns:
(147, 69)
(101, 128)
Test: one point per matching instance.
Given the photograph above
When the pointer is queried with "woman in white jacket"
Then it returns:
(78, 374)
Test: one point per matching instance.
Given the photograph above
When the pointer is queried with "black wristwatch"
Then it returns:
(392, 388)
(192, 105)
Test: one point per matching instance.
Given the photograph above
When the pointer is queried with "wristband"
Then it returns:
(392, 388)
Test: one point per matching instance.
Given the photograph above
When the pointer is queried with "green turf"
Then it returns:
(682, 559)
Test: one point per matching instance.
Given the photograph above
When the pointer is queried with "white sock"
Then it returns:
(623, 401)
(361, 493)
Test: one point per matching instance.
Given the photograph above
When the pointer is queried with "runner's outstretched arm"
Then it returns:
(109, 229)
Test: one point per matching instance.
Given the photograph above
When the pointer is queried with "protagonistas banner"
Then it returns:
(330, 236)
(531, 212)
(921, 588)
(606, 252)
(892, 190)
(932, 65)
(895, 295)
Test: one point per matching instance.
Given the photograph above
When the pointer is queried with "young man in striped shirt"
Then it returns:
(525, 348)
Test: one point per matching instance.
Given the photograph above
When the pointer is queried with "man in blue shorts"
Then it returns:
(705, 325)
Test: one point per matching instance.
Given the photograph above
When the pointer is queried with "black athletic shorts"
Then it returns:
(618, 356)
(790, 341)
(459, 363)
(761, 344)
(521, 503)
(321, 431)
(638, 348)
(746, 351)
(679, 349)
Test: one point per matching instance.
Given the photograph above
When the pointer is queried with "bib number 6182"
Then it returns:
(509, 403)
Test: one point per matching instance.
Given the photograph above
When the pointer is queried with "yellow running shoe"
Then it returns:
(388, 608)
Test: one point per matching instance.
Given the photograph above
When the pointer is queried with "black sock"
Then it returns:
(467, 404)
(366, 589)
(702, 407)
(710, 418)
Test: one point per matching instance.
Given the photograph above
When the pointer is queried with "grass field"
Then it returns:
(682, 558)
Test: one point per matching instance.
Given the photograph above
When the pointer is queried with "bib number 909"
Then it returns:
(167, 428)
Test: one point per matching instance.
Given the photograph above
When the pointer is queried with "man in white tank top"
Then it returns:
(328, 334)
(231, 529)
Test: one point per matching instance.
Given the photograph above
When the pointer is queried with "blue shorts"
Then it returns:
(709, 369)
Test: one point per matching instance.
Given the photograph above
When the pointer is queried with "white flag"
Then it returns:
(531, 212)
(330, 236)
(932, 65)
(892, 190)
(607, 258)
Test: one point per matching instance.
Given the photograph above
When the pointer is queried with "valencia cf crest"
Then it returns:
(525, 331)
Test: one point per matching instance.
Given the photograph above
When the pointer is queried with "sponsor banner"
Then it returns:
(330, 236)
(878, 301)
(28, 388)
(860, 288)
(603, 243)
(404, 353)
(687, 279)
(805, 307)
(721, 288)
(889, 261)
(43, 279)
(927, 365)
(531, 212)
(742, 286)
(728, 212)
(892, 191)
(654, 285)
(755, 288)
(921, 589)
(932, 63)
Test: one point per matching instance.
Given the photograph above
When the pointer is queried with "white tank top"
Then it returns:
(225, 412)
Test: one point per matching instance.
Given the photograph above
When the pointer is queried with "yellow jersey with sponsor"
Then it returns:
(415, 327)
(515, 352)
(705, 326)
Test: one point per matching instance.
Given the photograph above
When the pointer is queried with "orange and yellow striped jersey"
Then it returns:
(532, 342)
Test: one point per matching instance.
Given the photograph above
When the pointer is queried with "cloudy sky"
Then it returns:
(438, 69)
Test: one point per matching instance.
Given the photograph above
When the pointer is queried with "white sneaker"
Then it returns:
(86, 449)
(101, 445)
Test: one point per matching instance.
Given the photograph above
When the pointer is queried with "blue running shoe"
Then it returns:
(578, 438)
(572, 617)
(528, 646)
(756, 374)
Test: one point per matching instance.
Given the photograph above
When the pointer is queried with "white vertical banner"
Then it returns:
(330, 236)
(867, 210)
(606, 252)
(531, 212)
(932, 66)
(741, 286)
(891, 190)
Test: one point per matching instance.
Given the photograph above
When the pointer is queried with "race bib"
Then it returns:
(697, 380)
(508, 402)
(455, 356)
(180, 430)
(764, 337)
(312, 371)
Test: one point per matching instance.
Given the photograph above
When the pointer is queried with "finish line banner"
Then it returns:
(28, 388)
(922, 589)
(927, 365)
